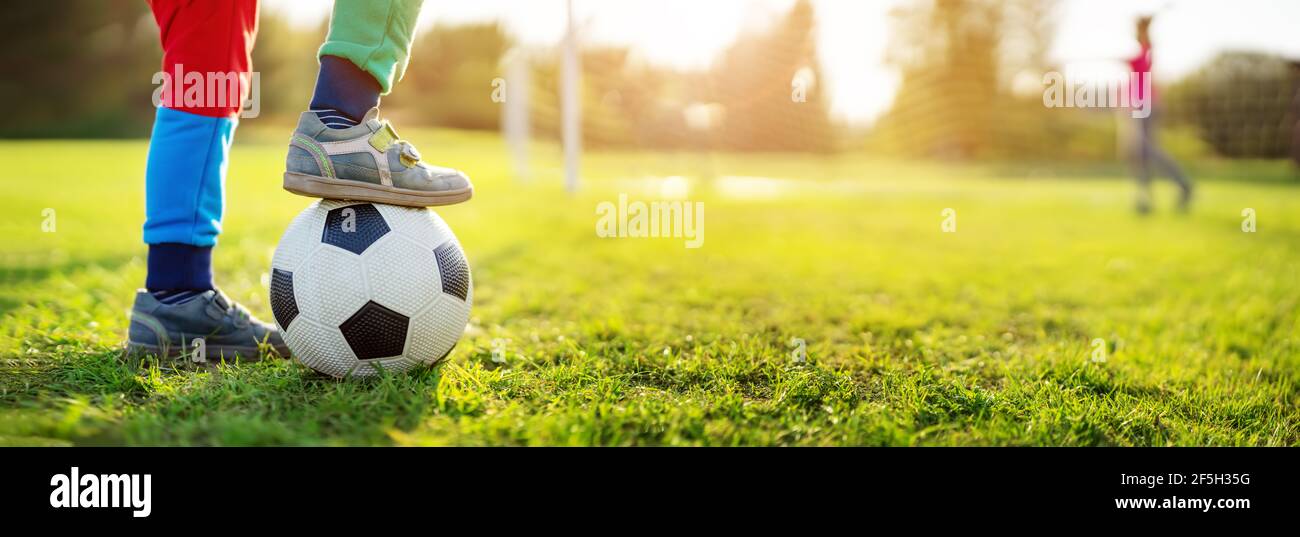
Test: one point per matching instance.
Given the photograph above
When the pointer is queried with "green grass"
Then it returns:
(914, 337)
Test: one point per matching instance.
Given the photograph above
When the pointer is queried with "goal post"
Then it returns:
(515, 123)
(571, 103)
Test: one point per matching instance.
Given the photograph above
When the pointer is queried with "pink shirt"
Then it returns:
(1141, 64)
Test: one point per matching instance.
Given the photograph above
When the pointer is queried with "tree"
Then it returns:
(449, 81)
(768, 83)
(957, 60)
(1241, 104)
(82, 69)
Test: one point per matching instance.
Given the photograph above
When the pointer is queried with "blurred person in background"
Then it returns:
(1146, 151)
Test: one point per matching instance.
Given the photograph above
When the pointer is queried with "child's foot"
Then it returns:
(226, 328)
(367, 162)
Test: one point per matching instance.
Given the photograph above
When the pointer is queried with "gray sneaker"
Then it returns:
(226, 328)
(367, 162)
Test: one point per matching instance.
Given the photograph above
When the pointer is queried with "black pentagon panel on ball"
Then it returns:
(354, 228)
(283, 305)
(375, 332)
(453, 269)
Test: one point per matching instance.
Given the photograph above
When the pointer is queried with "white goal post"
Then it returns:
(571, 103)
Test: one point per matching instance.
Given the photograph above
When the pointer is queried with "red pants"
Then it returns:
(206, 36)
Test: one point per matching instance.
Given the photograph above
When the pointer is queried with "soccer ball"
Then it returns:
(359, 287)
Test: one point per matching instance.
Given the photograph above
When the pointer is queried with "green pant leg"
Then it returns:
(375, 35)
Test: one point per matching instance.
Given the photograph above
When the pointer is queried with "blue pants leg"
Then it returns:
(184, 196)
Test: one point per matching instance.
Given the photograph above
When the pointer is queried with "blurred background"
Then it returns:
(835, 143)
(950, 79)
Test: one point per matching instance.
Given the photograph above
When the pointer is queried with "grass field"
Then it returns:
(913, 336)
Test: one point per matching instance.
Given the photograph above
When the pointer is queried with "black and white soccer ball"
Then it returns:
(357, 287)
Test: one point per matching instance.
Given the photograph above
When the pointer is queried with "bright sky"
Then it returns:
(853, 34)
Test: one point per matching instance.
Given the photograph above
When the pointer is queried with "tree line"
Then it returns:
(85, 71)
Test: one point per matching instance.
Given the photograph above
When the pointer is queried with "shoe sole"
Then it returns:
(247, 354)
(324, 187)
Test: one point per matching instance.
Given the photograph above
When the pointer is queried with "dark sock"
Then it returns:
(178, 272)
(344, 93)
(334, 119)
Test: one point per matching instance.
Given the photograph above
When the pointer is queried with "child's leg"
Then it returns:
(1142, 163)
(341, 149)
(184, 180)
(186, 170)
(184, 177)
(1158, 157)
(365, 53)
